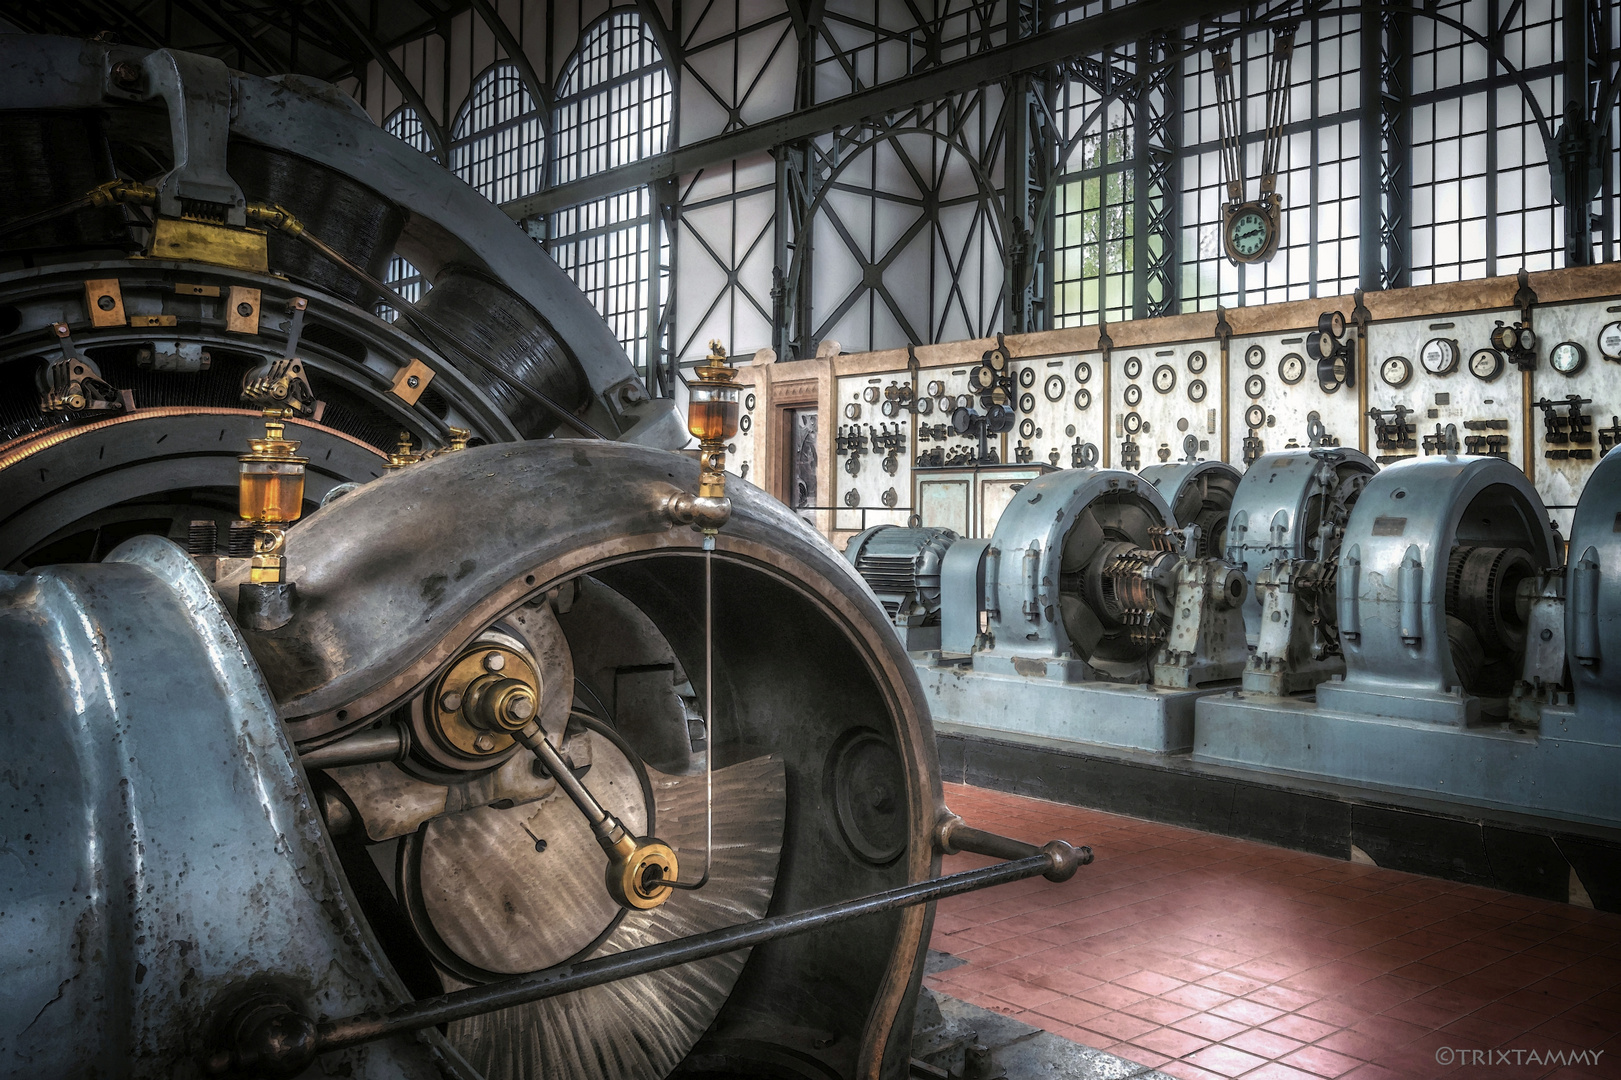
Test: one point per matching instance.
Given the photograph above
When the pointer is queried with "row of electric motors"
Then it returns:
(1431, 590)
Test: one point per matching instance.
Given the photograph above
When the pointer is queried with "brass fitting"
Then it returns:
(270, 493)
(636, 866)
(712, 417)
(403, 455)
(486, 695)
(498, 704)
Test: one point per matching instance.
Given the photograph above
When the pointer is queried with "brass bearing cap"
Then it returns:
(636, 866)
(489, 692)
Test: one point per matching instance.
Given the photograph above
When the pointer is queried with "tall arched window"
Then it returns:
(404, 124)
(498, 145)
(614, 105)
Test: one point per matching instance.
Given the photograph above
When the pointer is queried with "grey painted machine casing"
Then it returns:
(1593, 604)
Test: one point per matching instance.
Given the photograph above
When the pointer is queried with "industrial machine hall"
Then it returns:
(810, 539)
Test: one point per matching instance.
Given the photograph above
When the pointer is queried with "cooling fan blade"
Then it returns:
(644, 1026)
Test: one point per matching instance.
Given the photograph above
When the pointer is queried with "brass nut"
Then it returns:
(485, 741)
(635, 870)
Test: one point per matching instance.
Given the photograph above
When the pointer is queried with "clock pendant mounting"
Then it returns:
(1251, 228)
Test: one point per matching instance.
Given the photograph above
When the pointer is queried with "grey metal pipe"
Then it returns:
(386, 743)
(284, 1040)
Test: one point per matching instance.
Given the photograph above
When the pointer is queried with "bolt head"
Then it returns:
(494, 661)
(413, 382)
(485, 742)
(451, 701)
(244, 309)
(105, 303)
(521, 707)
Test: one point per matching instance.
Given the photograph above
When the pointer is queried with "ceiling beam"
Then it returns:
(992, 65)
(436, 132)
(538, 91)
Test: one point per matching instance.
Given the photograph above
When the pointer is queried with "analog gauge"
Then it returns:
(1254, 416)
(1053, 388)
(1292, 368)
(983, 377)
(872, 394)
(890, 409)
(1027, 428)
(745, 423)
(1196, 391)
(965, 401)
(1134, 395)
(852, 411)
(1134, 366)
(852, 497)
(996, 359)
(1027, 403)
(1439, 356)
(924, 406)
(1504, 337)
(1567, 358)
(1397, 371)
(1083, 398)
(1083, 373)
(1331, 373)
(748, 403)
(1027, 377)
(936, 387)
(1133, 423)
(1196, 362)
(962, 418)
(1609, 341)
(1528, 339)
(1165, 378)
(1255, 386)
(1321, 344)
(1254, 356)
(1486, 364)
(1332, 322)
(945, 403)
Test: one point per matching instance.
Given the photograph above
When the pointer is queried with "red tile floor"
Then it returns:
(1205, 956)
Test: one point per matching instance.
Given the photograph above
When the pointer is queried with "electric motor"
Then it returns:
(903, 568)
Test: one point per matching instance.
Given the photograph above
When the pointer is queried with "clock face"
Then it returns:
(1165, 378)
(1249, 232)
(1567, 358)
(1397, 371)
(1292, 368)
(1609, 341)
(1134, 367)
(1197, 360)
(1254, 356)
(1486, 364)
(1439, 356)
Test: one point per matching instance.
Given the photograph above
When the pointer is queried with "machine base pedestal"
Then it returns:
(1125, 715)
(1546, 773)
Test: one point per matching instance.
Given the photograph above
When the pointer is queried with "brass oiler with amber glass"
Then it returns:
(712, 414)
(270, 494)
(488, 698)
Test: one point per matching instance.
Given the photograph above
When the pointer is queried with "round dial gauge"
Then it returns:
(1083, 372)
(965, 401)
(1134, 395)
(872, 395)
(925, 406)
(1053, 388)
(1254, 356)
(1292, 368)
(1250, 234)
(1439, 356)
(1134, 366)
(852, 411)
(997, 359)
(1027, 403)
(745, 424)
(1196, 391)
(1528, 339)
(1196, 362)
(1567, 358)
(1609, 341)
(1486, 364)
(1133, 423)
(1332, 322)
(1254, 416)
(984, 377)
(1083, 398)
(1504, 337)
(1165, 378)
(890, 409)
(1027, 428)
(748, 403)
(1330, 373)
(962, 418)
(1397, 371)
(945, 402)
(1254, 386)
(936, 388)
(1027, 377)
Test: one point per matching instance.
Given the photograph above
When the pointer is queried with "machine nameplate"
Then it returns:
(1389, 526)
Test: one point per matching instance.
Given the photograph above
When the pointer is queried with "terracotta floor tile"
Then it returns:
(1159, 1010)
(1281, 997)
(1247, 1012)
(1225, 1060)
(1171, 1042)
(1119, 1026)
(1263, 1043)
(1149, 982)
(1300, 1027)
(1209, 1026)
(1111, 995)
(1065, 981)
(1277, 1070)
(1197, 997)
(1185, 1070)
(1322, 1061)
(1138, 1054)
